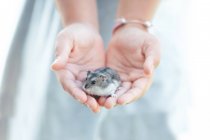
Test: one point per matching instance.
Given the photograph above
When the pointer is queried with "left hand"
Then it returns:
(134, 53)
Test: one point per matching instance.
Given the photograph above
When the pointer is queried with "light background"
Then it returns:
(196, 33)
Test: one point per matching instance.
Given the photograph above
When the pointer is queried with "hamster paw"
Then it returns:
(114, 95)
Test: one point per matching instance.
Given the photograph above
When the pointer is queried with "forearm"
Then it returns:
(83, 11)
(137, 9)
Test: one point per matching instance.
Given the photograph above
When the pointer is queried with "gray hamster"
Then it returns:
(101, 82)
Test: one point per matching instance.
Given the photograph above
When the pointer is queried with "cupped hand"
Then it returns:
(79, 48)
(134, 53)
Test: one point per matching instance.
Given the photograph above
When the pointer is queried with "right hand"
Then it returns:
(79, 48)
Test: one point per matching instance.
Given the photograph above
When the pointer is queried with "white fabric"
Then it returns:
(40, 109)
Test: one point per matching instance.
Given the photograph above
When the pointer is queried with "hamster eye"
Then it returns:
(93, 82)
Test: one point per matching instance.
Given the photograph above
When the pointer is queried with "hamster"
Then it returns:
(102, 82)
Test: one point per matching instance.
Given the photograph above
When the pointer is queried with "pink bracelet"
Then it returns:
(122, 21)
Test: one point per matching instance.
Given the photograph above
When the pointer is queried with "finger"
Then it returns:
(63, 45)
(102, 100)
(112, 101)
(152, 56)
(72, 87)
(149, 65)
(92, 104)
(137, 91)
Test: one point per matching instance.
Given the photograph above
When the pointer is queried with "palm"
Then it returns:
(84, 58)
(81, 60)
(128, 62)
(127, 54)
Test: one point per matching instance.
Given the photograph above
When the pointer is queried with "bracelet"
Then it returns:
(122, 21)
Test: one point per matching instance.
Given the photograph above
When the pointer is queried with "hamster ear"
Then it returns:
(88, 73)
(103, 77)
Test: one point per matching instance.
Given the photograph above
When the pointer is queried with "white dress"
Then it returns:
(33, 105)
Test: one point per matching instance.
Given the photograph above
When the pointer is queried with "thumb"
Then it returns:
(149, 65)
(63, 47)
(152, 58)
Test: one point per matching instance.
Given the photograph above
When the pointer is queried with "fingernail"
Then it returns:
(51, 68)
(111, 106)
(151, 69)
(88, 106)
(125, 103)
(97, 110)
(79, 100)
(53, 63)
(56, 61)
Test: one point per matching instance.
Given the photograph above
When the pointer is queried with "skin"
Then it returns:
(132, 51)
(137, 9)
(75, 50)
(76, 45)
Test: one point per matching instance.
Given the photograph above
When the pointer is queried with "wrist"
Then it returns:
(84, 24)
(137, 9)
(122, 23)
(139, 26)
(89, 22)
